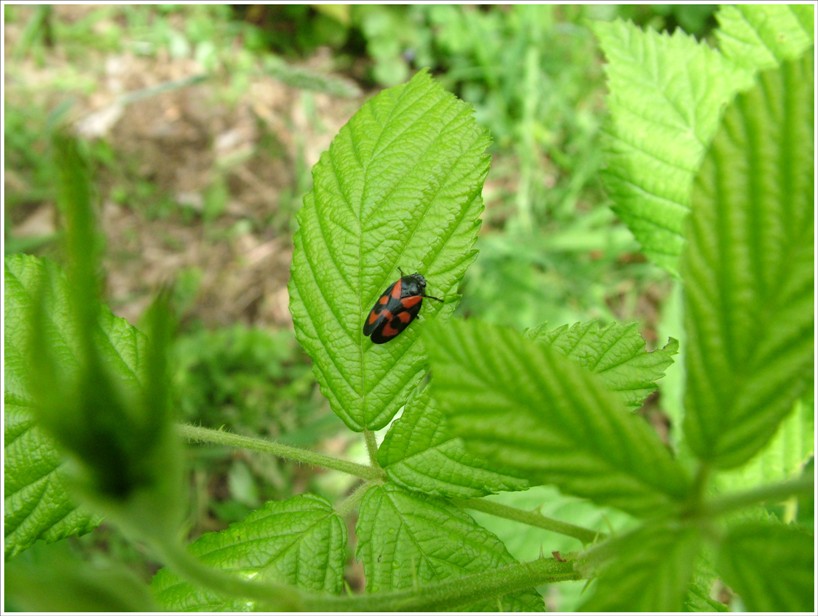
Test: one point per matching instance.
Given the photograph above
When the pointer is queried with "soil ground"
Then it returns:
(183, 142)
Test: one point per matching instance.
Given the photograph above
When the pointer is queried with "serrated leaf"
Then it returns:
(407, 540)
(652, 571)
(748, 270)
(615, 352)
(419, 452)
(300, 541)
(698, 599)
(399, 188)
(37, 504)
(521, 404)
(770, 566)
(666, 93)
(37, 501)
(761, 37)
(705, 579)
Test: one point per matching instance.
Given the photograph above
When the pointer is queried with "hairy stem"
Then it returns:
(372, 447)
(532, 518)
(220, 437)
(352, 500)
(444, 595)
(452, 593)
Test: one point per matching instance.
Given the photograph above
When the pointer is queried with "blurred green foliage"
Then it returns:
(242, 378)
(250, 381)
(60, 577)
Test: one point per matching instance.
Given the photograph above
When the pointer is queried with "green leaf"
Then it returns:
(399, 187)
(615, 352)
(522, 405)
(698, 599)
(666, 93)
(761, 37)
(748, 270)
(420, 453)
(781, 459)
(770, 566)
(300, 541)
(37, 502)
(651, 571)
(407, 540)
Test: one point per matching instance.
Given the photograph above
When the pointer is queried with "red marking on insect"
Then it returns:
(396, 308)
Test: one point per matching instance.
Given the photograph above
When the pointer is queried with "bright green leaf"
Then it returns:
(698, 599)
(748, 270)
(782, 458)
(300, 541)
(615, 352)
(399, 188)
(666, 93)
(770, 566)
(407, 540)
(520, 404)
(37, 502)
(420, 453)
(651, 571)
(762, 36)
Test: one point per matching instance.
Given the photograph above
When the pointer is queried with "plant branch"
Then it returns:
(220, 437)
(775, 492)
(452, 593)
(532, 518)
(372, 447)
(351, 501)
(444, 595)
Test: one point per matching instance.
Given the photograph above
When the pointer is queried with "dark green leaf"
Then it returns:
(56, 581)
(651, 571)
(770, 566)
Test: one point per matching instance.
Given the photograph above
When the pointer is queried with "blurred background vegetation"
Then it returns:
(202, 123)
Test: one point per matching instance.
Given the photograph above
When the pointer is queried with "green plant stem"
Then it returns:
(532, 518)
(220, 437)
(433, 597)
(700, 481)
(351, 501)
(775, 492)
(372, 447)
(452, 593)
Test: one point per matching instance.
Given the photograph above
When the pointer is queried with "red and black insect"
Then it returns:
(396, 308)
